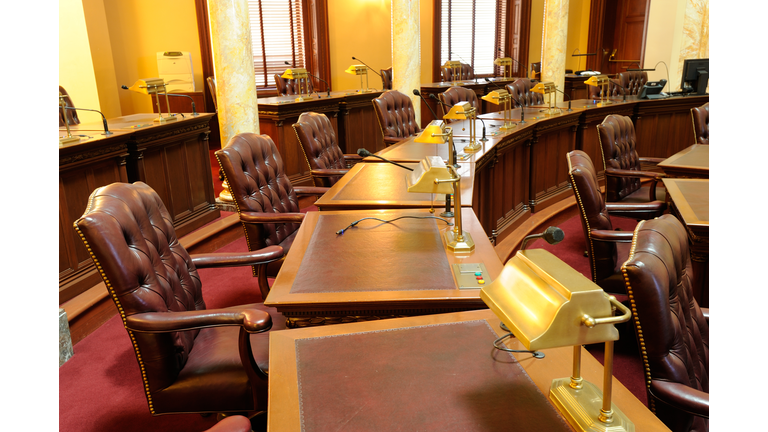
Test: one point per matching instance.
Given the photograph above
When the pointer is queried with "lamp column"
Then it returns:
(555, 44)
(233, 62)
(406, 50)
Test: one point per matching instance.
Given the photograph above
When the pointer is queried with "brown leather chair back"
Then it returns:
(397, 118)
(211, 81)
(130, 237)
(633, 82)
(466, 73)
(258, 183)
(319, 144)
(613, 90)
(619, 144)
(701, 123)
(594, 214)
(70, 115)
(520, 89)
(673, 334)
(386, 79)
(454, 95)
(286, 87)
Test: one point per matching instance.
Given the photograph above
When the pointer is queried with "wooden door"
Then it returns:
(617, 31)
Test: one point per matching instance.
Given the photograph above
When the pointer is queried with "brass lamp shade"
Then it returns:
(460, 111)
(147, 86)
(294, 73)
(496, 97)
(422, 179)
(433, 133)
(597, 80)
(357, 70)
(544, 87)
(503, 61)
(452, 64)
(539, 297)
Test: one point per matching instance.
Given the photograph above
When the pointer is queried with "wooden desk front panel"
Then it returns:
(80, 172)
(358, 124)
(553, 139)
(174, 161)
(664, 126)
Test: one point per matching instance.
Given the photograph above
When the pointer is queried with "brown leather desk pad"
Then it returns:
(407, 254)
(436, 377)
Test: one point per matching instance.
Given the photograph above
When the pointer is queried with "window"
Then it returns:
(277, 36)
(472, 32)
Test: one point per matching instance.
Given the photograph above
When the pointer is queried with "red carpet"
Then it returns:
(100, 388)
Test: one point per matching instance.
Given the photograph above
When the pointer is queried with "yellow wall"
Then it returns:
(578, 33)
(359, 28)
(536, 33)
(138, 29)
(76, 73)
(101, 52)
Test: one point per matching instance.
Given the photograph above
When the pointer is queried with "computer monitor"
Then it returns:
(695, 76)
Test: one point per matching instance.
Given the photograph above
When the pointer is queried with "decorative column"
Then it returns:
(406, 50)
(238, 109)
(695, 37)
(555, 43)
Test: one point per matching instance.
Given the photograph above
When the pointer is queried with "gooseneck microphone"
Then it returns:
(103, 119)
(365, 153)
(569, 98)
(553, 235)
(418, 93)
(522, 107)
(354, 58)
(433, 96)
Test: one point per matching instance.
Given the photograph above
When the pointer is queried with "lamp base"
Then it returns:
(468, 245)
(553, 111)
(508, 126)
(162, 119)
(581, 407)
(365, 91)
(68, 139)
(303, 98)
(473, 147)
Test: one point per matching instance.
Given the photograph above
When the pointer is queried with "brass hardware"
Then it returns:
(547, 88)
(465, 111)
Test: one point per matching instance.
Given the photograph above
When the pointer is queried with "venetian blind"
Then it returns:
(471, 32)
(277, 36)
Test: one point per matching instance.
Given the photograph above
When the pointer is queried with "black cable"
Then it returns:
(536, 354)
(341, 231)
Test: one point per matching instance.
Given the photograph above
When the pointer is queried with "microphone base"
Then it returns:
(456, 245)
(446, 214)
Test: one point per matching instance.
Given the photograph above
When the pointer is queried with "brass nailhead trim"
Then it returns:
(586, 221)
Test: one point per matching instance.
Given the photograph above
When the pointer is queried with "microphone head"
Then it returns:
(416, 92)
(353, 58)
(363, 152)
(124, 87)
(553, 235)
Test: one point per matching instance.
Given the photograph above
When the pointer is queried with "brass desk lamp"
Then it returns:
(455, 67)
(298, 74)
(360, 70)
(547, 88)
(432, 175)
(504, 62)
(437, 132)
(465, 111)
(155, 86)
(600, 81)
(502, 97)
(547, 304)
(69, 138)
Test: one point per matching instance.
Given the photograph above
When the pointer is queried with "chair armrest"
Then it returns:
(353, 158)
(392, 140)
(328, 172)
(612, 236)
(682, 397)
(234, 259)
(254, 217)
(633, 173)
(310, 190)
(651, 160)
(635, 207)
(252, 320)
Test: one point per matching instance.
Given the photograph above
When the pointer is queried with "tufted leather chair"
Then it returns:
(596, 92)
(386, 79)
(211, 81)
(265, 199)
(70, 114)
(454, 95)
(318, 142)
(701, 123)
(192, 359)
(605, 255)
(520, 89)
(286, 87)
(622, 164)
(396, 115)
(672, 331)
(466, 73)
(633, 82)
